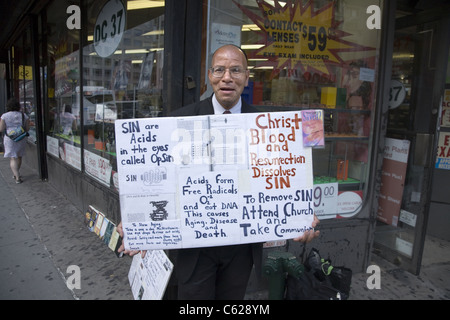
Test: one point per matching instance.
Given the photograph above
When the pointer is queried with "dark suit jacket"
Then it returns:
(205, 107)
(190, 256)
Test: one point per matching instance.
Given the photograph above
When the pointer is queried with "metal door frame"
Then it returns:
(434, 20)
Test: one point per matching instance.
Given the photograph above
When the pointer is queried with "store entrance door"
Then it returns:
(410, 147)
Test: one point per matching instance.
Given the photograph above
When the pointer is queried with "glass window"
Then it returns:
(22, 75)
(121, 78)
(310, 55)
(63, 83)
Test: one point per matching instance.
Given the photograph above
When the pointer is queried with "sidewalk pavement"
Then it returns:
(433, 282)
(42, 234)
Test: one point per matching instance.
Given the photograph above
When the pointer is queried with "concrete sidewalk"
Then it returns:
(433, 282)
(42, 234)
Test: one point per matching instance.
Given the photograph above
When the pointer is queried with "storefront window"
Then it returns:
(310, 55)
(122, 75)
(63, 86)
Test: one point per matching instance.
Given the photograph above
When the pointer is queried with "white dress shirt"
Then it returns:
(218, 109)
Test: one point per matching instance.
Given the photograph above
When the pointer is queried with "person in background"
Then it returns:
(14, 118)
(68, 121)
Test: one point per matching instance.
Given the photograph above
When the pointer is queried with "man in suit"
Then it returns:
(222, 272)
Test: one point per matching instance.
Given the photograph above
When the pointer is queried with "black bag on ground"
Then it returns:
(341, 279)
(308, 287)
(320, 281)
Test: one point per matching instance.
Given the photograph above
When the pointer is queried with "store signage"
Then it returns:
(25, 72)
(443, 153)
(325, 200)
(222, 34)
(53, 146)
(214, 180)
(445, 117)
(72, 155)
(392, 180)
(97, 167)
(348, 203)
(408, 218)
(397, 94)
(109, 28)
(297, 34)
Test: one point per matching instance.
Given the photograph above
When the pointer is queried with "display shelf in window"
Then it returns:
(71, 138)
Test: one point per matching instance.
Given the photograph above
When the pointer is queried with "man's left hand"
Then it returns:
(309, 235)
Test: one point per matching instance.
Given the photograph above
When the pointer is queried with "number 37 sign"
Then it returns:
(397, 94)
(109, 28)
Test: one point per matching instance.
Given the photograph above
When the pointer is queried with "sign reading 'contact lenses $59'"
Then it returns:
(109, 28)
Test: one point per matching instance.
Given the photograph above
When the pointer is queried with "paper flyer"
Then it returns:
(149, 276)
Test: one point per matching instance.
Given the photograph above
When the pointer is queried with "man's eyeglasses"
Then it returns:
(235, 72)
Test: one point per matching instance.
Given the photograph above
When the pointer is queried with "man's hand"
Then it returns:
(309, 235)
(122, 246)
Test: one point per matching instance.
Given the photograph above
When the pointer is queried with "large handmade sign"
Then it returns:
(213, 180)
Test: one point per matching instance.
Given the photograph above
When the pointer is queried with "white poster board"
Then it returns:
(213, 180)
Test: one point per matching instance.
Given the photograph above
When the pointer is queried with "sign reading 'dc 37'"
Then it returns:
(109, 28)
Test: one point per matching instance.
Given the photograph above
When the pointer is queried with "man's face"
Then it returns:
(229, 87)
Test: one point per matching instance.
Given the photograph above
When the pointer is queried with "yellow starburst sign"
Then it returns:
(296, 35)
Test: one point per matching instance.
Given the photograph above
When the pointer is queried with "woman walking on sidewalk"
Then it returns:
(14, 118)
